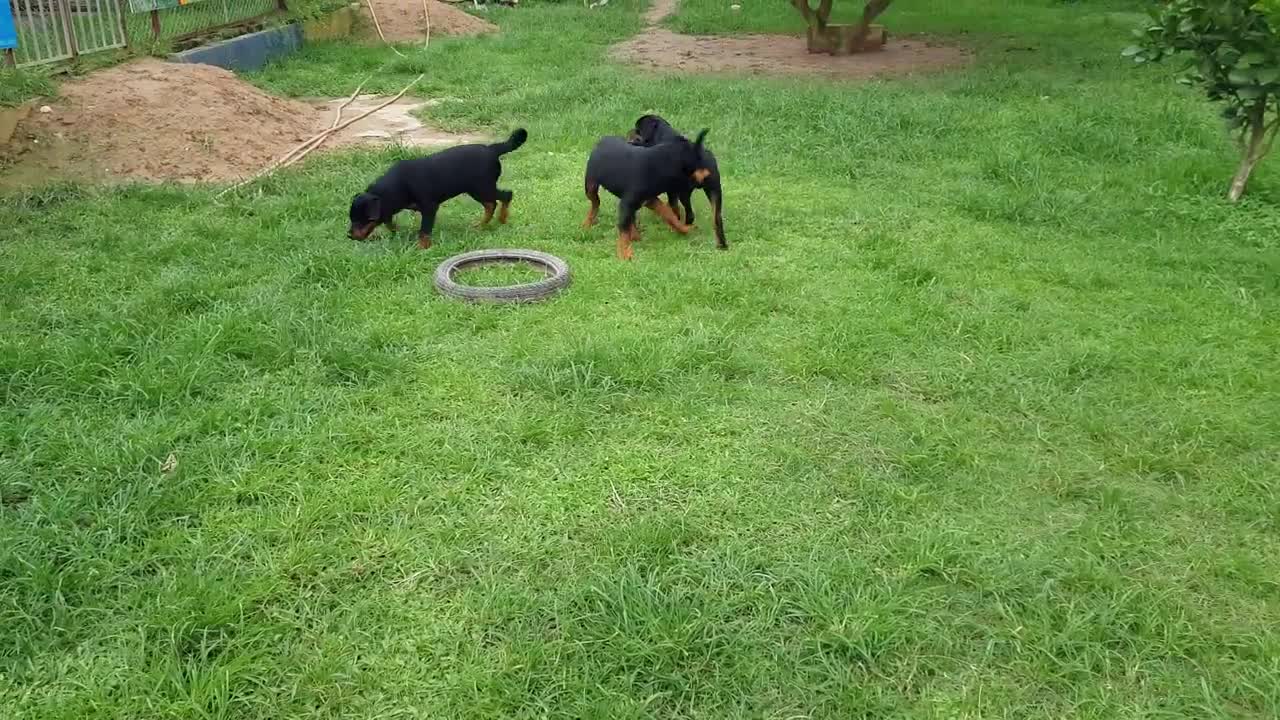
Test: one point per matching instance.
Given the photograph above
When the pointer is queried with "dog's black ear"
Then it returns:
(701, 136)
(643, 130)
(370, 206)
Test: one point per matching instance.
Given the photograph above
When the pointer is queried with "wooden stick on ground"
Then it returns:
(306, 147)
(378, 26)
(301, 151)
(337, 117)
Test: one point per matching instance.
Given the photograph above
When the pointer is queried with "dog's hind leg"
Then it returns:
(593, 195)
(504, 205)
(487, 198)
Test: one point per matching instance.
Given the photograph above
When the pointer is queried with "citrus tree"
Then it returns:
(1233, 54)
(827, 37)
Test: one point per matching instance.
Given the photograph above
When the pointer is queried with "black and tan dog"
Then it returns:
(637, 175)
(423, 184)
(652, 130)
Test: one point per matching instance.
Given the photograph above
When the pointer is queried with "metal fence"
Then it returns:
(196, 17)
(52, 30)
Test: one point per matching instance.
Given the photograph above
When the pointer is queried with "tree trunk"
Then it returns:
(870, 12)
(845, 39)
(824, 10)
(1255, 148)
(812, 19)
(842, 39)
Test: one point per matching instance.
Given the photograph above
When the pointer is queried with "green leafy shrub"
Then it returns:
(1233, 54)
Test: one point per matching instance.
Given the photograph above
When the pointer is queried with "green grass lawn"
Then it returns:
(19, 86)
(499, 274)
(977, 417)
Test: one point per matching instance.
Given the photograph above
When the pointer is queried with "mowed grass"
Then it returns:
(495, 275)
(977, 417)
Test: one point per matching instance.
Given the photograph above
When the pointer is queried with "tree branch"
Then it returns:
(813, 19)
(824, 11)
(1269, 132)
(869, 14)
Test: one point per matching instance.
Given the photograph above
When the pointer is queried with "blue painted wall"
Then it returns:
(247, 52)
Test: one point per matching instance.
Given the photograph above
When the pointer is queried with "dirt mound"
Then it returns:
(155, 120)
(403, 20)
(781, 55)
(159, 121)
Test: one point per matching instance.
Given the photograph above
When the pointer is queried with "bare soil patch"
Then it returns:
(659, 10)
(157, 121)
(154, 120)
(659, 48)
(393, 124)
(403, 21)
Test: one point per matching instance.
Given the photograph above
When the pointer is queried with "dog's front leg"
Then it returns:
(717, 203)
(627, 231)
(686, 199)
(664, 211)
(428, 211)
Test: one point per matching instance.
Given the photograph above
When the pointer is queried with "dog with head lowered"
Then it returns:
(423, 184)
(652, 130)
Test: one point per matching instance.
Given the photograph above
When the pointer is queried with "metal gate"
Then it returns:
(53, 30)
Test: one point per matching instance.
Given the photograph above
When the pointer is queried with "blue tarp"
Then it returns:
(8, 36)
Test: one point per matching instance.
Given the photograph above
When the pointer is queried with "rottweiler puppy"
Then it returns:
(424, 183)
(651, 130)
(637, 175)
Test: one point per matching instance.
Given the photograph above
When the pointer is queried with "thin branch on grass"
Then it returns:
(303, 149)
(337, 116)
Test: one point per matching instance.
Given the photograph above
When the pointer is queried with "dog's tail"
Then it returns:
(514, 142)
